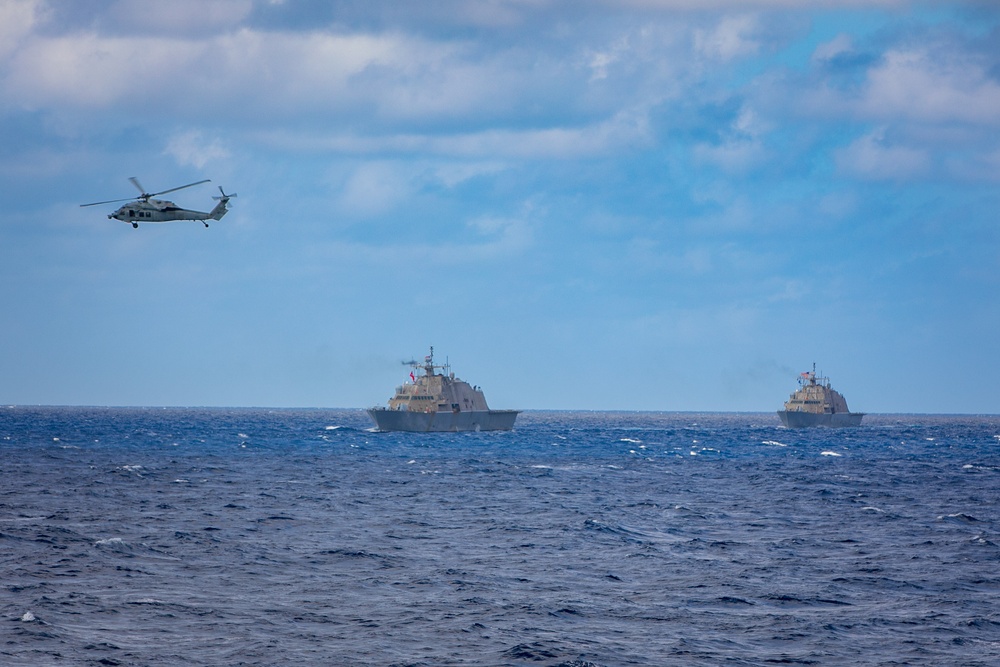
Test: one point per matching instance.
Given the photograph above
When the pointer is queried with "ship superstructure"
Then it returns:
(439, 402)
(816, 403)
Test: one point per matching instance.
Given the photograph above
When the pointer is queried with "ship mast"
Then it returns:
(429, 364)
(814, 379)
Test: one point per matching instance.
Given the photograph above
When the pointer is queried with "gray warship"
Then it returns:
(817, 404)
(439, 402)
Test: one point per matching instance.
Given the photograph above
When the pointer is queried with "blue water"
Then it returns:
(300, 537)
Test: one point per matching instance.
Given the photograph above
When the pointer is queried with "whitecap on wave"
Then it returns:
(828, 453)
(113, 544)
(960, 517)
(970, 466)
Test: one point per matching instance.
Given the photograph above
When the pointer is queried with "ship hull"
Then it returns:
(795, 419)
(454, 422)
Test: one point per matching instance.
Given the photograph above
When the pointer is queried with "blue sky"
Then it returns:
(641, 204)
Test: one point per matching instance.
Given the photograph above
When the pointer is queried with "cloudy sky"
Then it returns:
(630, 204)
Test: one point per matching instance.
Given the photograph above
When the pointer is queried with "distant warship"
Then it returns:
(817, 404)
(439, 402)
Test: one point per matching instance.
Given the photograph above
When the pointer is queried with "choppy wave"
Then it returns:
(263, 537)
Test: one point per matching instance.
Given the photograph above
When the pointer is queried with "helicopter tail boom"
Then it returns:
(219, 211)
(221, 208)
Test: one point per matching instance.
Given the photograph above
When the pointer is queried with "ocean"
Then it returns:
(226, 537)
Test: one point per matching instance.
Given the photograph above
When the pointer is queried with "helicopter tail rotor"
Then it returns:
(222, 207)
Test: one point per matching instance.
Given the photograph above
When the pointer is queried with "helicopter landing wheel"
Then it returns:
(135, 225)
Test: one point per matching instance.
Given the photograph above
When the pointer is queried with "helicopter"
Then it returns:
(146, 209)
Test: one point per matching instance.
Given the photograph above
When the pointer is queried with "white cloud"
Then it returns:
(17, 19)
(500, 238)
(923, 108)
(374, 188)
(984, 166)
(601, 61)
(179, 15)
(839, 45)
(451, 174)
(630, 128)
(940, 83)
(389, 82)
(932, 86)
(732, 37)
(497, 13)
(743, 5)
(194, 149)
(741, 147)
(836, 206)
(872, 157)
(94, 72)
(507, 234)
(790, 290)
(238, 71)
(732, 156)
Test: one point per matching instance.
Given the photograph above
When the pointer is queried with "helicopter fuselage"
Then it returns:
(160, 210)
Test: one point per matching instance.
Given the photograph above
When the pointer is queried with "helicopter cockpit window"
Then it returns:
(131, 213)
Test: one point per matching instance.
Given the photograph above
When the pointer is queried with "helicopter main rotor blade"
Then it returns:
(144, 196)
(110, 201)
(207, 180)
